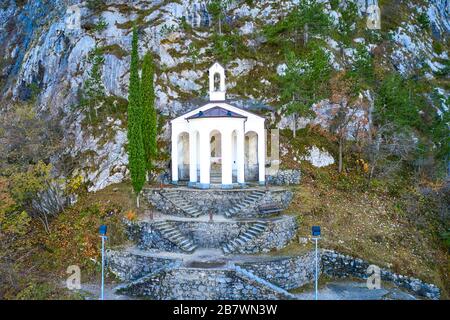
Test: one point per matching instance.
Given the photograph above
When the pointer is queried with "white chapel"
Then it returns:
(218, 143)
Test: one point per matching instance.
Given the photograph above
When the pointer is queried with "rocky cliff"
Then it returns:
(45, 47)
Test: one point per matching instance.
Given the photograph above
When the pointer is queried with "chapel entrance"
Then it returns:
(215, 141)
(251, 165)
(183, 156)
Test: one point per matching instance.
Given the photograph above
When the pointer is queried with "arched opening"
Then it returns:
(234, 155)
(183, 156)
(251, 156)
(215, 141)
(197, 156)
(216, 81)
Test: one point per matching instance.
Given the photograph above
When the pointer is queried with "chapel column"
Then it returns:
(205, 159)
(240, 154)
(261, 156)
(174, 156)
(227, 161)
(192, 158)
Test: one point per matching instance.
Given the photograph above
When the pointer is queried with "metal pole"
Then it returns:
(317, 271)
(103, 268)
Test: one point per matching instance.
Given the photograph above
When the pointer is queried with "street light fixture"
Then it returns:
(102, 231)
(315, 230)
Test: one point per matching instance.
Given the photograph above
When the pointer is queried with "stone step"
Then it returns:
(184, 242)
(257, 229)
(246, 236)
(173, 195)
(161, 225)
(252, 232)
(166, 229)
(172, 233)
(197, 214)
(177, 238)
(190, 248)
(260, 224)
(258, 192)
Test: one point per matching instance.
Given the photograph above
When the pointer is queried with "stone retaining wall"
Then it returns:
(129, 266)
(216, 201)
(211, 235)
(279, 233)
(286, 272)
(338, 265)
(202, 284)
(285, 177)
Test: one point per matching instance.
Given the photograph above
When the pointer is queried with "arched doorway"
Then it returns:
(183, 156)
(251, 156)
(215, 141)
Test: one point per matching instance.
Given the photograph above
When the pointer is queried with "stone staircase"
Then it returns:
(251, 233)
(215, 177)
(183, 204)
(250, 200)
(171, 233)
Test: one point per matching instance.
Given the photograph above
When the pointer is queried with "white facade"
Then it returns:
(218, 142)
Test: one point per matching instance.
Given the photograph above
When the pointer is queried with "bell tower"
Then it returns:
(217, 82)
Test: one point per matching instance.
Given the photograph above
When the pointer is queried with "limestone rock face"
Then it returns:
(45, 45)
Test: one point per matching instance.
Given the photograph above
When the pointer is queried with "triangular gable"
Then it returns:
(216, 112)
(222, 105)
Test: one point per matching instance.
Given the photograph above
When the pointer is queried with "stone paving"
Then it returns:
(355, 290)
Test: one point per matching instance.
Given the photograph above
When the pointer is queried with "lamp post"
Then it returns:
(315, 230)
(102, 231)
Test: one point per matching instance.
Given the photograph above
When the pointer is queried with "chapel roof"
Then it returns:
(215, 112)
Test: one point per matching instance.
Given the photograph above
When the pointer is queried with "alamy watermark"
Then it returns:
(374, 279)
(73, 282)
(374, 17)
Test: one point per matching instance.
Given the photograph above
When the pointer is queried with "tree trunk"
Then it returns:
(370, 117)
(294, 125)
(137, 200)
(306, 35)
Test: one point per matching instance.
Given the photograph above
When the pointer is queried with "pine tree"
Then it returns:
(306, 20)
(304, 82)
(136, 152)
(149, 120)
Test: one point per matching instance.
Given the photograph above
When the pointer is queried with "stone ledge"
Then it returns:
(286, 272)
(338, 265)
(203, 284)
(218, 201)
(285, 177)
(129, 266)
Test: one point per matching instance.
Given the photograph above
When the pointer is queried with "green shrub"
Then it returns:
(101, 25)
(445, 236)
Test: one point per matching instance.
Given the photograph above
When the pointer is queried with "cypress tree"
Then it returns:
(136, 154)
(149, 120)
